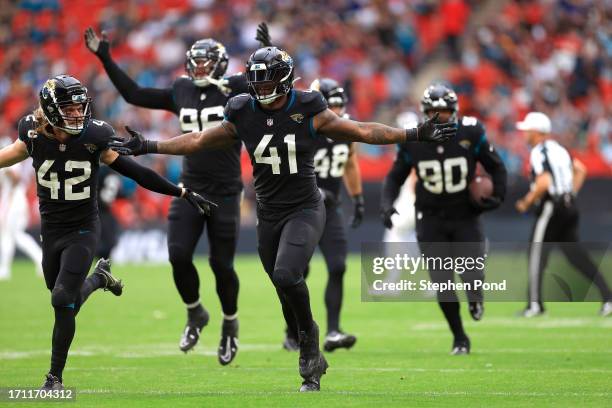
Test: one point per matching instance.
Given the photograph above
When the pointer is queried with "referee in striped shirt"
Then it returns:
(556, 178)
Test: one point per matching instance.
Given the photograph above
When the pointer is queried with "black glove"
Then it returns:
(358, 211)
(201, 204)
(263, 36)
(385, 216)
(98, 46)
(487, 203)
(328, 197)
(134, 145)
(430, 131)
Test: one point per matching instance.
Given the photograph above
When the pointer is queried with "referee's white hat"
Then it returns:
(536, 121)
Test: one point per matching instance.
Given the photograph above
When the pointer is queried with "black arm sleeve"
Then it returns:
(146, 97)
(395, 179)
(145, 177)
(494, 165)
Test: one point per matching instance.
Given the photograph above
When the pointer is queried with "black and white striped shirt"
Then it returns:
(552, 157)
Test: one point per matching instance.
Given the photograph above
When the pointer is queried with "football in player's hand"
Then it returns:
(481, 187)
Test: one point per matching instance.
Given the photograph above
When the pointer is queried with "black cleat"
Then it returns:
(476, 310)
(111, 284)
(461, 347)
(312, 363)
(228, 347)
(337, 339)
(52, 383)
(191, 334)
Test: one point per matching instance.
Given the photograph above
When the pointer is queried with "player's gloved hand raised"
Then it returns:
(430, 131)
(263, 35)
(328, 197)
(201, 204)
(97, 45)
(358, 211)
(487, 203)
(385, 216)
(134, 145)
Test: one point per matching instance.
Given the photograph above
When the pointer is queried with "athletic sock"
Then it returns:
(451, 313)
(298, 298)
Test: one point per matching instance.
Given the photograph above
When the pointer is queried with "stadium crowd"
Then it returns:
(375, 48)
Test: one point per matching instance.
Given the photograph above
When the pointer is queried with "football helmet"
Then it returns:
(440, 97)
(59, 95)
(269, 73)
(206, 62)
(333, 93)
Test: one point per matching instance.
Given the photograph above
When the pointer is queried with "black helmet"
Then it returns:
(438, 97)
(58, 93)
(332, 91)
(269, 68)
(210, 52)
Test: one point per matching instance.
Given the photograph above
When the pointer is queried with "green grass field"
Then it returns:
(126, 354)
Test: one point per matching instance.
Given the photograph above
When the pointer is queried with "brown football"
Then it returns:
(481, 186)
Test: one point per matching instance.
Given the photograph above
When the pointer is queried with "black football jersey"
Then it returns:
(445, 170)
(198, 108)
(281, 144)
(329, 160)
(66, 174)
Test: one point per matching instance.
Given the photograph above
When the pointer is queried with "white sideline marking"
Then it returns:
(538, 323)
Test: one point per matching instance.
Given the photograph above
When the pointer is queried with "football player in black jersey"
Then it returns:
(445, 211)
(334, 161)
(66, 146)
(279, 127)
(198, 100)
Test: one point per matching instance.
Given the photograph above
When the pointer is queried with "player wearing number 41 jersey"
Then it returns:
(198, 100)
(66, 147)
(279, 127)
(445, 212)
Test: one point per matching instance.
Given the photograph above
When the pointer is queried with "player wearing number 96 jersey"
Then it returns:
(66, 147)
(198, 99)
(445, 211)
(279, 127)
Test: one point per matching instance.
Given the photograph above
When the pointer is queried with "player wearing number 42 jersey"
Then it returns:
(445, 211)
(198, 100)
(334, 161)
(279, 127)
(66, 147)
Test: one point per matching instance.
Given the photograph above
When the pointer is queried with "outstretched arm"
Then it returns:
(146, 97)
(329, 124)
(150, 180)
(13, 154)
(216, 137)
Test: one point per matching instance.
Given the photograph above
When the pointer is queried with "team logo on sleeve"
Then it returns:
(91, 148)
(297, 117)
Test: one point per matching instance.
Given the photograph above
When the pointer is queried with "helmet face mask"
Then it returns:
(440, 98)
(65, 104)
(269, 73)
(206, 62)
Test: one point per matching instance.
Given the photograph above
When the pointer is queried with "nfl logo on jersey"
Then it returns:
(270, 121)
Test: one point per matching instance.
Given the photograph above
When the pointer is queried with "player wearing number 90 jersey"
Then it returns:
(445, 211)
(66, 146)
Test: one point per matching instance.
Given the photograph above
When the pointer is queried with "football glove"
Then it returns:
(263, 35)
(385, 217)
(98, 46)
(134, 145)
(358, 211)
(201, 204)
(430, 131)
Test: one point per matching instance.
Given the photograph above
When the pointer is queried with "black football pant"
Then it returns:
(558, 222)
(333, 246)
(286, 243)
(185, 226)
(67, 257)
(444, 237)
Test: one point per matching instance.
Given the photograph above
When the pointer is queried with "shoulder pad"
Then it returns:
(239, 101)
(309, 95)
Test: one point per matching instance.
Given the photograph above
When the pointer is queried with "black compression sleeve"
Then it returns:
(145, 177)
(146, 97)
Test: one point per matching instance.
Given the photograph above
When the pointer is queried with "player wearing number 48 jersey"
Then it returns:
(334, 161)
(66, 147)
(279, 127)
(198, 100)
(445, 212)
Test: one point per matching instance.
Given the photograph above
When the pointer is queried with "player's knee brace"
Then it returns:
(285, 277)
(178, 255)
(60, 297)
